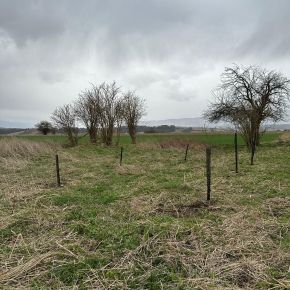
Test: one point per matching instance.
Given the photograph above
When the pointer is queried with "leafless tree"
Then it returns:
(64, 118)
(44, 127)
(101, 107)
(110, 106)
(133, 110)
(87, 109)
(248, 97)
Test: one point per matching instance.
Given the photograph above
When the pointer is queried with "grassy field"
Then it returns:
(145, 224)
(209, 138)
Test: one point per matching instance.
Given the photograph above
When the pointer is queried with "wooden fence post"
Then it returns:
(185, 157)
(57, 170)
(236, 151)
(208, 172)
(121, 156)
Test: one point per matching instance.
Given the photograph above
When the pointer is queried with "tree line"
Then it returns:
(102, 109)
(247, 97)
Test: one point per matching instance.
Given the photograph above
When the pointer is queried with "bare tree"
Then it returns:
(133, 110)
(87, 109)
(44, 127)
(109, 110)
(64, 118)
(248, 97)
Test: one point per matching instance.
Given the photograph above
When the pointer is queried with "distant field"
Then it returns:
(205, 138)
(145, 224)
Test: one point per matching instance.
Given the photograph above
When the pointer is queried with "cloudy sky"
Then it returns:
(171, 51)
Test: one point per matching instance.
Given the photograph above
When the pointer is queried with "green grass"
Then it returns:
(205, 138)
(146, 224)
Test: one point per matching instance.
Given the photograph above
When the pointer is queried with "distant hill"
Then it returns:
(11, 131)
(28, 131)
(277, 127)
(199, 122)
(156, 125)
(184, 122)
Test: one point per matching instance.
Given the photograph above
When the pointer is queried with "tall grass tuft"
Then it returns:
(16, 147)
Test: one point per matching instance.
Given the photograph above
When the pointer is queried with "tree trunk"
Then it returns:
(247, 140)
(132, 132)
(93, 135)
(258, 140)
(110, 135)
(107, 135)
(133, 137)
(104, 135)
(71, 138)
(254, 140)
(118, 134)
(253, 150)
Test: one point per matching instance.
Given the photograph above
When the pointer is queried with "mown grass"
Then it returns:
(145, 224)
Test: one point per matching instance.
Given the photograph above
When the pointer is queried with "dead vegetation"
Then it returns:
(180, 144)
(173, 144)
(188, 210)
(26, 267)
(240, 257)
(18, 148)
(155, 231)
(16, 153)
(284, 137)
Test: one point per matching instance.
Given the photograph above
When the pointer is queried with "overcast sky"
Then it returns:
(171, 52)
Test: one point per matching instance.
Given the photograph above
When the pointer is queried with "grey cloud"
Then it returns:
(269, 37)
(30, 20)
(171, 51)
(51, 77)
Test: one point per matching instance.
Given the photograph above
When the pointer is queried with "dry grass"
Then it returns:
(156, 232)
(284, 137)
(22, 269)
(181, 144)
(229, 259)
(16, 153)
(14, 148)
